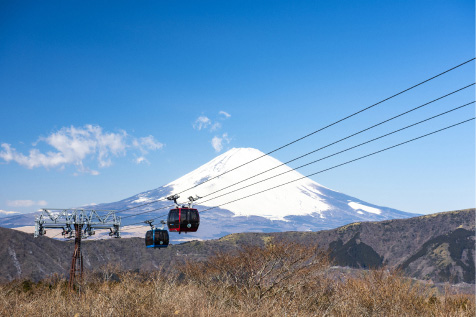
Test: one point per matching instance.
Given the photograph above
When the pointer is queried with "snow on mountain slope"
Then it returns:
(300, 205)
(300, 198)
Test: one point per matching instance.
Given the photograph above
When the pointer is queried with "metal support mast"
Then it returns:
(191, 200)
(77, 262)
(82, 222)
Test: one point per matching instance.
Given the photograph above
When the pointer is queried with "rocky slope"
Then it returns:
(437, 247)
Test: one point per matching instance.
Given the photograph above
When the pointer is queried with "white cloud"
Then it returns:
(73, 145)
(202, 122)
(141, 159)
(150, 143)
(26, 203)
(215, 126)
(6, 213)
(226, 114)
(147, 144)
(34, 159)
(218, 142)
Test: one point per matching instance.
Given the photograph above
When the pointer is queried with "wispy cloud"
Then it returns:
(145, 145)
(218, 142)
(226, 114)
(215, 126)
(26, 203)
(205, 123)
(141, 159)
(202, 122)
(149, 143)
(73, 145)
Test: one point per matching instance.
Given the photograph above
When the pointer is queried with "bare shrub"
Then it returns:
(277, 272)
(385, 292)
(280, 279)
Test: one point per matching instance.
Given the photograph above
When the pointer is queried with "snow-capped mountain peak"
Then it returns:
(301, 198)
(300, 205)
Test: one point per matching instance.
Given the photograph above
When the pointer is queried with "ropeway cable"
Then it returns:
(146, 212)
(332, 124)
(322, 171)
(304, 155)
(318, 160)
(345, 163)
(307, 164)
(337, 153)
(56, 235)
(348, 162)
(347, 137)
(312, 133)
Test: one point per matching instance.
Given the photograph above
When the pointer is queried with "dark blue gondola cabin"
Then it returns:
(157, 238)
(183, 220)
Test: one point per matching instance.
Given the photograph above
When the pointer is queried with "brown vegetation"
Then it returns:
(279, 279)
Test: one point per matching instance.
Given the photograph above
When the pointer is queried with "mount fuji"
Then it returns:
(300, 205)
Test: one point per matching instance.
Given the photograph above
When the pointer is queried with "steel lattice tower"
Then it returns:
(82, 222)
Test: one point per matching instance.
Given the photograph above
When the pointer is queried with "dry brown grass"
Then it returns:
(280, 279)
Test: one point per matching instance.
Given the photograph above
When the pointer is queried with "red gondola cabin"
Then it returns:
(183, 220)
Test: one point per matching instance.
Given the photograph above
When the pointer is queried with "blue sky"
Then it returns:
(102, 100)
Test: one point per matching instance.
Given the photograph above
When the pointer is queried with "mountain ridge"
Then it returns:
(408, 244)
(302, 204)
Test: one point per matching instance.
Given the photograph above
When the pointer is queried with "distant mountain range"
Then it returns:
(437, 247)
(301, 205)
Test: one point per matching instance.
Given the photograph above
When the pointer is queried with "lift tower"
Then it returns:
(81, 223)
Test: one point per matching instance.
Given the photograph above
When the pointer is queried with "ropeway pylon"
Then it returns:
(82, 222)
(77, 262)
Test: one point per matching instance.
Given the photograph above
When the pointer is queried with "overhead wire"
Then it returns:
(307, 164)
(308, 135)
(146, 212)
(324, 170)
(334, 154)
(340, 152)
(56, 235)
(313, 162)
(345, 163)
(314, 151)
(340, 140)
(332, 124)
